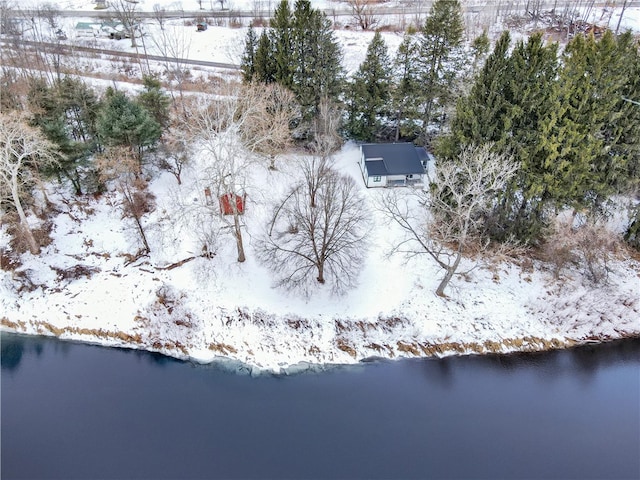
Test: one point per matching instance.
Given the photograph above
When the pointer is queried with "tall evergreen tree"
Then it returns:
(617, 66)
(531, 93)
(248, 61)
(580, 167)
(369, 93)
(508, 102)
(300, 52)
(281, 40)
(155, 100)
(265, 65)
(484, 115)
(441, 57)
(66, 113)
(407, 89)
(317, 69)
(629, 121)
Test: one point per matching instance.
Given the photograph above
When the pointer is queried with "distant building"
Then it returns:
(86, 29)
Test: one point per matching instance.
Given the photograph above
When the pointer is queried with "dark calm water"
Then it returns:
(78, 411)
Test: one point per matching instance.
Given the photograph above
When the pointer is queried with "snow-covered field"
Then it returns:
(211, 308)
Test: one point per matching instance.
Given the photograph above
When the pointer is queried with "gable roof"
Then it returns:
(391, 159)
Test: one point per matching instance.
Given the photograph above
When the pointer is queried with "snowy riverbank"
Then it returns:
(83, 287)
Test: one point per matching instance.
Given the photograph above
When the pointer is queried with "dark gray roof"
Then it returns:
(397, 158)
(423, 156)
(376, 167)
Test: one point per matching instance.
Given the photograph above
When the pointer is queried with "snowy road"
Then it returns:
(66, 49)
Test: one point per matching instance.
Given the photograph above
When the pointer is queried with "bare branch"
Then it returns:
(317, 232)
(462, 191)
(24, 150)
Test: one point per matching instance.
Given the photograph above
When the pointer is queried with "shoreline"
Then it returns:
(227, 353)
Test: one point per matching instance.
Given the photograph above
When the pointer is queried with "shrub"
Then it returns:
(588, 246)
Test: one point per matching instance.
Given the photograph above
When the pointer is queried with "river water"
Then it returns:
(78, 411)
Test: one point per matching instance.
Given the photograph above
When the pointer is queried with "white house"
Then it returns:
(86, 30)
(393, 164)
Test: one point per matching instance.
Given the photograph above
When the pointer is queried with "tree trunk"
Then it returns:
(624, 7)
(320, 278)
(238, 235)
(34, 248)
(143, 237)
(398, 117)
(451, 270)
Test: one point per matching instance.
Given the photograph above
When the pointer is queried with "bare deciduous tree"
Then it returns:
(126, 11)
(23, 151)
(216, 128)
(625, 4)
(325, 242)
(137, 201)
(326, 125)
(173, 43)
(362, 13)
(160, 15)
(118, 164)
(449, 217)
(269, 111)
(220, 127)
(174, 154)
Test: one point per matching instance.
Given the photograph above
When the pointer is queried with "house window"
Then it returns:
(376, 178)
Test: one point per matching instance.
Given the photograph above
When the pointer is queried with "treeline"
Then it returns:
(568, 119)
(566, 115)
(79, 123)
(386, 99)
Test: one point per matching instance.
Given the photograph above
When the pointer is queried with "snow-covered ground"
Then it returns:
(211, 308)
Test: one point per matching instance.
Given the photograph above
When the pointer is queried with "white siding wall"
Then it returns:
(372, 183)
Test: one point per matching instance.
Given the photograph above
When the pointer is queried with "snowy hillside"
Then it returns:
(82, 287)
(85, 286)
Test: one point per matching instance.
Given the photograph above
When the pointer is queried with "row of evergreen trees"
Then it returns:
(385, 99)
(566, 118)
(299, 51)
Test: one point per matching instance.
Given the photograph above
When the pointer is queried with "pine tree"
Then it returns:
(509, 102)
(316, 59)
(628, 123)
(248, 62)
(155, 100)
(370, 93)
(66, 113)
(484, 115)
(282, 44)
(577, 147)
(265, 66)
(617, 67)
(479, 49)
(407, 89)
(125, 123)
(532, 94)
(441, 55)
